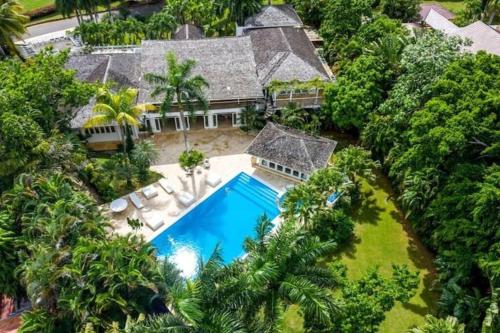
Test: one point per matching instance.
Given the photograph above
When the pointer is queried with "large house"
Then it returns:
(241, 71)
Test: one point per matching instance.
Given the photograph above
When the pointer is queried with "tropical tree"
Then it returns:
(404, 10)
(356, 162)
(12, 23)
(436, 325)
(119, 108)
(179, 86)
(241, 9)
(293, 116)
(142, 156)
(252, 118)
(273, 278)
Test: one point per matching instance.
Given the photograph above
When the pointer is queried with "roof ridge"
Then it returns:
(283, 56)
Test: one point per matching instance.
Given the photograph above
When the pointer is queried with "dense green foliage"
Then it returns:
(434, 123)
(214, 17)
(37, 98)
(127, 31)
(404, 10)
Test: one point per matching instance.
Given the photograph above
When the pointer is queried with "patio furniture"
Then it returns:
(136, 200)
(186, 198)
(206, 164)
(154, 222)
(166, 185)
(213, 179)
(149, 192)
(118, 205)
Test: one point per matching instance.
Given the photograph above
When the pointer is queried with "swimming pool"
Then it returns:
(227, 217)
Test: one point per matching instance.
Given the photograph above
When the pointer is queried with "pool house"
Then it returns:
(290, 152)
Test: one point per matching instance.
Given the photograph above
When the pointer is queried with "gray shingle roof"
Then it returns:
(285, 54)
(188, 31)
(273, 16)
(292, 148)
(226, 63)
(120, 68)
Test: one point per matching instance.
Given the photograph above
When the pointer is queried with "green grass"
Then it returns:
(383, 237)
(34, 4)
(453, 6)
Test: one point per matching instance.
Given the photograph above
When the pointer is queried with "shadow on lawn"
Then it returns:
(367, 211)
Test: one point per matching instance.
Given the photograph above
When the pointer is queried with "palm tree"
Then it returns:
(281, 270)
(356, 162)
(11, 23)
(180, 86)
(293, 116)
(436, 325)
(120, 108)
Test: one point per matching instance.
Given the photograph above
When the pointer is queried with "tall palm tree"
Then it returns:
(179, 86)
(11, 23)
(273, 277)
(120, 108)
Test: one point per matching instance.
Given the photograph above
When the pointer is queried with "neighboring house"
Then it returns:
(290, 152)
(482, 37)
(240, 71)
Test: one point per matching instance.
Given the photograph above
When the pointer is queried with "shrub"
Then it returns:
(190, 159)
(40, 12)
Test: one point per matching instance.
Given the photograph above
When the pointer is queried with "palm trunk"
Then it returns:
(181, 112)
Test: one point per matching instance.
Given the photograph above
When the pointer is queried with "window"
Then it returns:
(272, 165)
(280, 168)
(295, 173)
(288, 171)
(263, 162)
(303, 176)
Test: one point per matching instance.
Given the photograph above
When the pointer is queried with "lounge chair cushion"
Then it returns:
(213, 179)
(166, 185)
(136, 200)
(154, 222)
(186, 199)
(149, 192)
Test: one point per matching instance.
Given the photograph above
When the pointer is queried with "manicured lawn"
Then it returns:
(34, 4)
(383, 237)
(453, 6)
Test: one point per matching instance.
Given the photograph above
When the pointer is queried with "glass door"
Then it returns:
(178, 125)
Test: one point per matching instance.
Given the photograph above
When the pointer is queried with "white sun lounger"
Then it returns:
(166, 185)
(213, 179)
(154, 222)
(186, 199)
(149, 192)
(136, 200)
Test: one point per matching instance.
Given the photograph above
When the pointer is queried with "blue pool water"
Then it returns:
(226, 217)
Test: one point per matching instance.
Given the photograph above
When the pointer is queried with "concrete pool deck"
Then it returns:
(168, 207)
